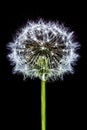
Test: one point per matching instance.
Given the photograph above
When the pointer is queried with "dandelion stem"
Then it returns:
(43, 106)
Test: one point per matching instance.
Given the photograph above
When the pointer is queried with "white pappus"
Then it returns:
(43, 49)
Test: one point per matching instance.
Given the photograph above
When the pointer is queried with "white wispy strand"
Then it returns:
(49, 40)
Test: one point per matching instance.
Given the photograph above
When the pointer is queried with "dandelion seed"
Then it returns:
(51, 40)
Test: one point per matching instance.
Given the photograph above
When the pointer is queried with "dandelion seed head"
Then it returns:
(43, 49)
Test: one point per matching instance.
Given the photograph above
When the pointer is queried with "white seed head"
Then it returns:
(43, 49)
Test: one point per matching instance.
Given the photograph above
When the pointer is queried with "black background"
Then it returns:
(20, 100)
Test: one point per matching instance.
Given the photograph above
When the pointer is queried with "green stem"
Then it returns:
(43, 106)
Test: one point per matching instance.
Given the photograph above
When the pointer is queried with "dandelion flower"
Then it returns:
(46, 50)
(43, 48)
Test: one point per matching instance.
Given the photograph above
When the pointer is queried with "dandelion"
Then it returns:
(46, 50)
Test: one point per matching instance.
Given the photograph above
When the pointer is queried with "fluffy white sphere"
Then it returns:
(43, 49)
